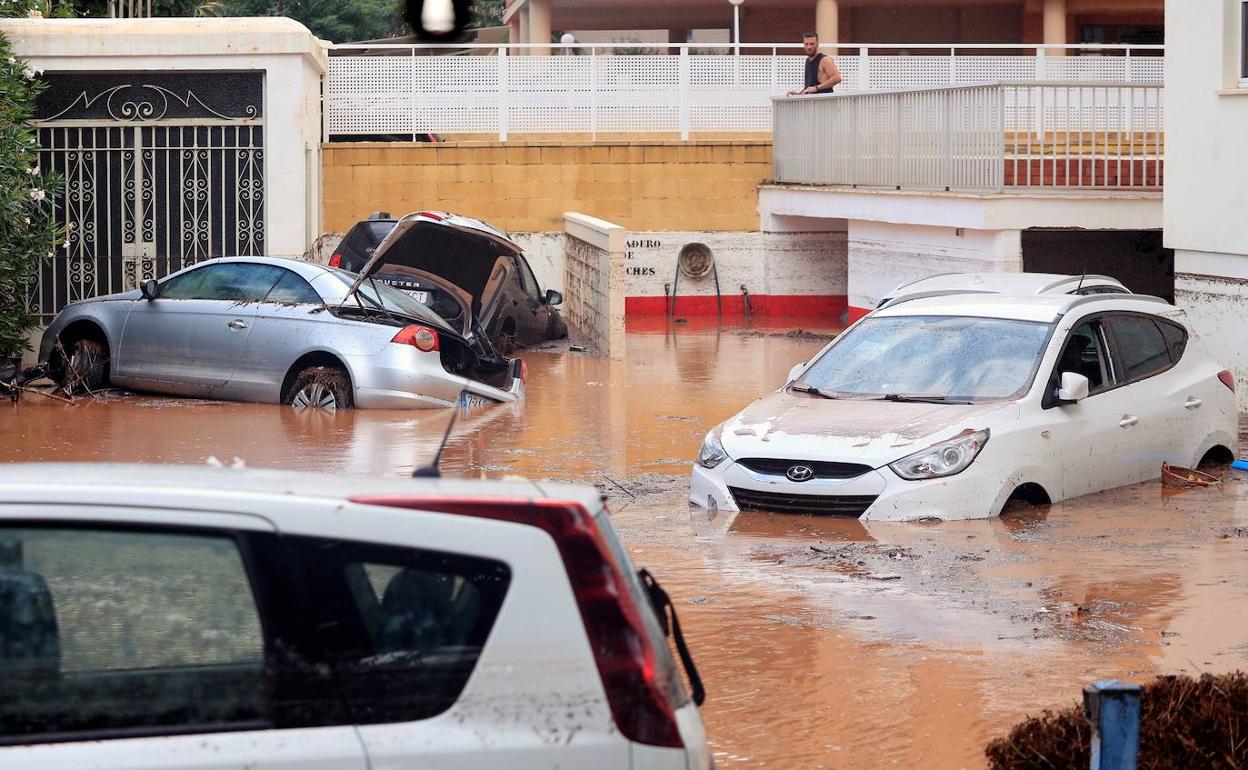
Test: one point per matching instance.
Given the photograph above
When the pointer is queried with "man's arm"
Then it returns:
(829, 74)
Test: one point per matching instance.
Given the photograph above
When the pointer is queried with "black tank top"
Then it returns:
(812, 71)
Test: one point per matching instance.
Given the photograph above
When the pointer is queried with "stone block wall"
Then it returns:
(594, 255)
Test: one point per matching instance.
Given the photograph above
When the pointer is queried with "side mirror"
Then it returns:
(149, 289)
(1074, 388)
(553, 297)
(796, 370)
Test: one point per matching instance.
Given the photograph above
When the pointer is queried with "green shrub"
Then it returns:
(28, 229)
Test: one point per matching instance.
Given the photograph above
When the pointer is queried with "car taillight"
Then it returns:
(431, 215)
(1228, 379)
(420, 337)
(335, 261)
(627, 661)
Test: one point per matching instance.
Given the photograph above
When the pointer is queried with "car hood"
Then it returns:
(458, 249)
(794, 426)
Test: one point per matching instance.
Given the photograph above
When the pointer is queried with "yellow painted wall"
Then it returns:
(527, 186)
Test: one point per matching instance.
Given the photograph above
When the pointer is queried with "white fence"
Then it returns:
(987, 138)
(392, 90)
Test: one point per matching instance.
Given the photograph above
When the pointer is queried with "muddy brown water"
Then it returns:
(823, 642)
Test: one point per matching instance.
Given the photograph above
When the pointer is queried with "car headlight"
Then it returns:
(944, 459)
(712, 452)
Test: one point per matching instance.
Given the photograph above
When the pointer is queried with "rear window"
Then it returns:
(358, 246)
(1176, 338)
(403, 627)
(1139, 346)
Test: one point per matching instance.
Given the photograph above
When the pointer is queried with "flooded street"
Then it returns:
(823, 642)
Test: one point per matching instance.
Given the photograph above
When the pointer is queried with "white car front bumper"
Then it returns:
(877, 495)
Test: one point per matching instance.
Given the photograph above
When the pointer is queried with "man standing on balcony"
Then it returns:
(822, 74)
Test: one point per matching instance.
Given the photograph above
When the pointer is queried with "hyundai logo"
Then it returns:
(800, 473)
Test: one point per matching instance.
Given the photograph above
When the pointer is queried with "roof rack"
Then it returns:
(929, 294)
(913, 281)
(1076, 301)
(1079, 278)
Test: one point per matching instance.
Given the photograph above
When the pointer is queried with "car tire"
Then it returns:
(85, 368)
(320, 387)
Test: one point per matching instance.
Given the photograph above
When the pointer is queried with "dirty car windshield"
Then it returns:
(937, 357)
(377, 293)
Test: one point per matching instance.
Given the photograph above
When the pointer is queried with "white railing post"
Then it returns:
(412, 93)
(864, 69)
(1041, 68)
(684, 93)
(502, 93)
(953, 66)
(593, 94)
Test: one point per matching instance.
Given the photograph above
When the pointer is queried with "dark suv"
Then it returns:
(487, 273)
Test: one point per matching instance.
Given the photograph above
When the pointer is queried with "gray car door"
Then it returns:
(291, 318)
(190, 338)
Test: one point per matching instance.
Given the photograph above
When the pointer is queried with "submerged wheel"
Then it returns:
(86, 367)
(320, 387)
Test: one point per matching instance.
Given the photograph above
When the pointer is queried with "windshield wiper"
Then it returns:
(812, 390)
(918, 398)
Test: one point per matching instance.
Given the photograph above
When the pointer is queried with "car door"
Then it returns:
(150, 645)
(1165, 403)
(531, 312)
(287, 321)
(188, 340)
(1093, 436)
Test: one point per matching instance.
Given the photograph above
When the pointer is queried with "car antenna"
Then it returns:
(1080, 286)
(431, 470)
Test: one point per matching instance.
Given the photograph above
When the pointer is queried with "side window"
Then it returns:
(111, 630)
(527, 280)
(1176, 338)
(293, 288)
(404, 627)
(1140, 350)
(1084, 354)
(232, 281)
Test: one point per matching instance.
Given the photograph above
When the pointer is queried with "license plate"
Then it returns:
(420, 296)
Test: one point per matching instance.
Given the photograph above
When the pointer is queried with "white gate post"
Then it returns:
(502, 93)
(684, 93)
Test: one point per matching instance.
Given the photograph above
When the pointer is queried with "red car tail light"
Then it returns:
(420, 337)
(335, 261)
(1228, 379)
(627, 660)
(431, 215)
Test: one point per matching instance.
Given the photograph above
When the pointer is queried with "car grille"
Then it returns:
(835, 505)
(823, 470)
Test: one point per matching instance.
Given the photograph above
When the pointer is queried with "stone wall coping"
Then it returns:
(169, 37)
(597, 232)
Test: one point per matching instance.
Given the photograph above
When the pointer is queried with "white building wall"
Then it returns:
(883, 255)
(292, 59)
(1206, 194)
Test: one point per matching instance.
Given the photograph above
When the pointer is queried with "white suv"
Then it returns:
(174, 617)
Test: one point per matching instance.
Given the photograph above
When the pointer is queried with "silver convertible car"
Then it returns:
(275, 330)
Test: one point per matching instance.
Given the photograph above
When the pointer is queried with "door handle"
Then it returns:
(238, 323)
(1193, 403)
(1128, 420)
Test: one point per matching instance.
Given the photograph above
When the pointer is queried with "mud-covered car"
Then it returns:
(268, 329)
(420, 253)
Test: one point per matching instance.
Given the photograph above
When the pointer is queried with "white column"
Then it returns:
(1055, 25)
(539, 25)
(827, 22)
(524, 26)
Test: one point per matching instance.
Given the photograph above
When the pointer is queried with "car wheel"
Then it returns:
(85, 369)
(320, 387)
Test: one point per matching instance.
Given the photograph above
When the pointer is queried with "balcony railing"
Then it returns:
(1001, 137)
(398, 91)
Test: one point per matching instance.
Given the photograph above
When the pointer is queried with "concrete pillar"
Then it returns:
(539, 25)
(827, 22)
(523, 27)
(1055, 25)
(514, 33)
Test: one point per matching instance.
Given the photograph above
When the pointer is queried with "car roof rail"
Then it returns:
(1080, 278)
(937, 293)
(913, 281)
(1076, 300)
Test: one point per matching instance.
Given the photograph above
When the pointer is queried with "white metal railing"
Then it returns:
(995, 137)
(397, 90)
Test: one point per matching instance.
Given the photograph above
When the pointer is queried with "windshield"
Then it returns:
(942, 358)
(376, 293)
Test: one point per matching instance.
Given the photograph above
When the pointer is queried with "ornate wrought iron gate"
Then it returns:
(155, 177)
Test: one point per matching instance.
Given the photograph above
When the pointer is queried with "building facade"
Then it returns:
(1207, 157)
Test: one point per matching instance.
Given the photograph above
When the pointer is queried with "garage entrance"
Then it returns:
(1135, 257)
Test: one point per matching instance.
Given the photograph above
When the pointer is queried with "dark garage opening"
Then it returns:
(1135, 257)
